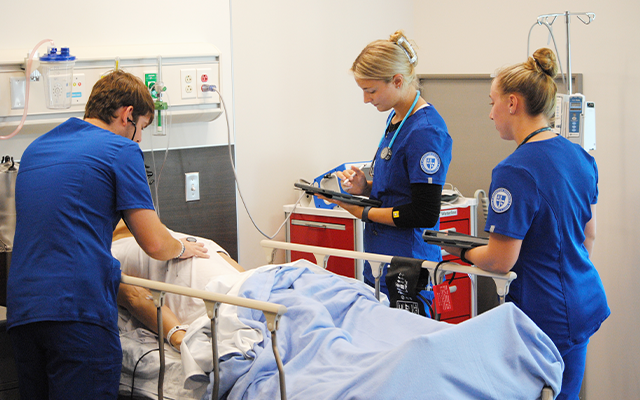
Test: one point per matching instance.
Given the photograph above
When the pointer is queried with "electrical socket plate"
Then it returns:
(204, 78)
(188, 83)
(192, 186)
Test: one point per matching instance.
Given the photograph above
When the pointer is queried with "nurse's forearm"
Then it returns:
(381, 216)
(590, 231)
(499, 256)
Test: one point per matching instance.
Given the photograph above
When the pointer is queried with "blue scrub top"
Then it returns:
(542, 194)
(72, 186)
(421, 153)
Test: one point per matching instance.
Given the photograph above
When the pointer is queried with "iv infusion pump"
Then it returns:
(575, 119)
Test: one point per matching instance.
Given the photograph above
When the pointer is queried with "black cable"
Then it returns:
(133, 377)
(435, 271)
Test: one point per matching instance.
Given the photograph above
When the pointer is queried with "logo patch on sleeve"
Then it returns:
(430, 163)
(500, 200)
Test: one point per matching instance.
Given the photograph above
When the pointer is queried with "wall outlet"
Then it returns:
(204, 77)
(188, 83)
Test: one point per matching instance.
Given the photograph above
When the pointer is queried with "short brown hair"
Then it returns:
(115, 90)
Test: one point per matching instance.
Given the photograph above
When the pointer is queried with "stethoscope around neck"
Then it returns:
(386, 153)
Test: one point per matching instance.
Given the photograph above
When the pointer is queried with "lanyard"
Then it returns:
(532, 134)
(385, 154)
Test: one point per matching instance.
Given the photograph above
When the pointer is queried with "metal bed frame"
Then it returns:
(273, 311)
(378, 261)
(212, 301)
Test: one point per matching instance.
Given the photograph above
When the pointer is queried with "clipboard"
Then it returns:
(453, 239)
(344, 197)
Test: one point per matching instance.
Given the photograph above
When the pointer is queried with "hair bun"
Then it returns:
(401, 40)
(546, 60)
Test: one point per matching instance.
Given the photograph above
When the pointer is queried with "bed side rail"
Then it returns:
(378, 261)
(547, 393)
(272, 313)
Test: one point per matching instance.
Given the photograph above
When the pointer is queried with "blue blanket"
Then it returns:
(337, 342)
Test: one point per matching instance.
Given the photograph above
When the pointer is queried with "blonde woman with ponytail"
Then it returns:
(411, 160)
(542, 219)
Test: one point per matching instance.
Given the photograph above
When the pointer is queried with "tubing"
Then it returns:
(26, 95)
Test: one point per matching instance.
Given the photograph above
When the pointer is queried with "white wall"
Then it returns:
(299, 113)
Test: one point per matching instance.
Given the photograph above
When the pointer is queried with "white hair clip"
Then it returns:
(408, 49)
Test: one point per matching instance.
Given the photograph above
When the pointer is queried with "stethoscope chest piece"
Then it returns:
(385, 153)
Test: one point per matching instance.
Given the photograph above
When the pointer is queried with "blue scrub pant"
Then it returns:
(66, 360)
(574, 363)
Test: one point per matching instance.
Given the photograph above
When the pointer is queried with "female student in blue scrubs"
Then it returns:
(542, 219)
(411, 162)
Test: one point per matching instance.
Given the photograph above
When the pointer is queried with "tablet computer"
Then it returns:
(344, 197)
(453, 239)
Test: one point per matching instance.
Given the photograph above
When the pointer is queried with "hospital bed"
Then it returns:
(212, 301)
(273, 314)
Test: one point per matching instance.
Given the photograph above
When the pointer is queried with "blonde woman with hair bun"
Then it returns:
(542, 219)
(411, 161)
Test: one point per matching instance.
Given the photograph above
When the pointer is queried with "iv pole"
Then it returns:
(544, 19)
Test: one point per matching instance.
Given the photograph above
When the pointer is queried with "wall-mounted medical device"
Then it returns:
(575, 119)
(57, 70)
(186, 70)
